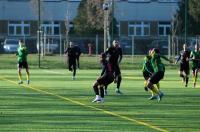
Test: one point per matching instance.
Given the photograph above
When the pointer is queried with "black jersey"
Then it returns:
(184, 56)
(71, 52)
(115, 54)
(106, 67)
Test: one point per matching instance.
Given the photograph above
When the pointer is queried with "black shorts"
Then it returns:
(196, 68)
(22, 64)
(105, 79)
(184, 67)
(72, 63)
(146, 74)
(156, 77)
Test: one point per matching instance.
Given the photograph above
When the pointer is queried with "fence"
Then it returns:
(132, 45)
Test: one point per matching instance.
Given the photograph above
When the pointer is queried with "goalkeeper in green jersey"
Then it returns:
(195, 56)
(22, 61)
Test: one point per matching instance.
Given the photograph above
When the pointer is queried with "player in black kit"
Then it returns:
(184, 64)
(105, 79)
(115, 56)
(71, 52)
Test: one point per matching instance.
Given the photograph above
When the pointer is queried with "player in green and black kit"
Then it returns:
(158, 73)
(195, 56)
(22, 61)
(147, 71)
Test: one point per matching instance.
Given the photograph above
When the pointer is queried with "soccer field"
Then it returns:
(53, 102)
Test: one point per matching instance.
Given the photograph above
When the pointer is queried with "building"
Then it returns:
(134, 17)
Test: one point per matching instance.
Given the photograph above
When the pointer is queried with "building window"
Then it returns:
(51, 28)
(139, 0)
(18, 28)
(139, 28)
(169, 0)
(164, 28)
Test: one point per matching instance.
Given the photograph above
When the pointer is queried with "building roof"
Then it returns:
(152, 11)
(124, 11)
(23, 10)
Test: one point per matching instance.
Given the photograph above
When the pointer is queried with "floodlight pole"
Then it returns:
(186, 16)
(113, 11)
(39, 28)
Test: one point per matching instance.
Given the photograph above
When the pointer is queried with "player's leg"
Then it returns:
(74, 70)
(19, 73)
(102, 92)
(146, 76)
(118, 79)
(77, 59)
(105, 90)
(20, 76)
(70, 64)
(154, 79)
(187, 72)
(27, 72)
(96, 91)
(182, 67)
(195, 77)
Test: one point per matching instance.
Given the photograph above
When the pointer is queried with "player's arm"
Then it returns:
(120, 55)
(165, 58)
(178, 59)
(103, 69)
(66, 51)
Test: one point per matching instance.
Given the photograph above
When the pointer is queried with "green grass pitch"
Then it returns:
(53, 102)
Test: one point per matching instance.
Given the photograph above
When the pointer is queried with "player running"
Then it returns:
(71, 52)
(195, 56)
(105, 79)
(184, 64)
(115, 56)
(22, 62)
(158, 73)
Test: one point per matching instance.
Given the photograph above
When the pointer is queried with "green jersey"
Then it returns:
(147, 64)
(22, 54)
(157, 63)
(195, 55)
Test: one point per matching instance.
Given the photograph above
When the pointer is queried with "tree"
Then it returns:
(194, 9)
(193, 21)
(90, 17)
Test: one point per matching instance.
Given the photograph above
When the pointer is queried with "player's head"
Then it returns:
(21, 43)
(196, 47)
(71, 44)
(116, 43)
(184, 47)
(149, 52)
(155, 51)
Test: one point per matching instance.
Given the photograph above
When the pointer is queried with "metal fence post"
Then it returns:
(133, 47)
(169, 46)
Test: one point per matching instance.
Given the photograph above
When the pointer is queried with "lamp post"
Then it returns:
(113, 13)
(105, 8)
(39, 28)
(186, 17)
